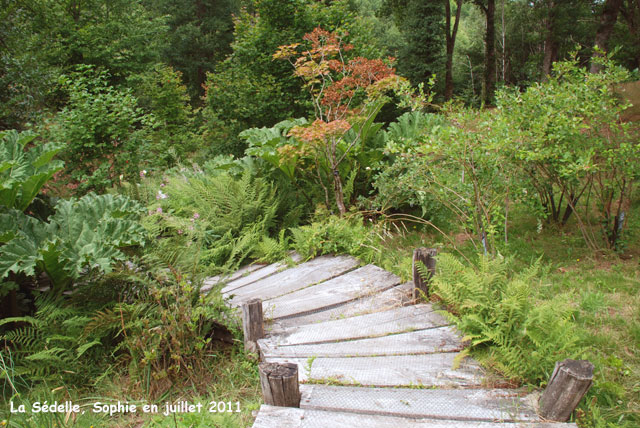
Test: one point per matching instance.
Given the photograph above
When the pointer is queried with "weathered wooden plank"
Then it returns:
(443, 339)
(497, 405)
(278, 417)
(305, 274)
(365, 281)
(238, 281)
(392, 298)
(407, 318)
(285, 417)
(212, 281)
(396, 370)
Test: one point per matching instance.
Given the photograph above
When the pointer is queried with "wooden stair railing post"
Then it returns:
(252, 324)
(427, 257)
(570, 380)
(280, 384)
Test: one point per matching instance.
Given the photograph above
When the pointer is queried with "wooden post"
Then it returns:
(427, 257)
(570, 380)
(252, 324)
(280, 384)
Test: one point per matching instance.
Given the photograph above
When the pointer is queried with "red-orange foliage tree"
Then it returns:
(346, 94)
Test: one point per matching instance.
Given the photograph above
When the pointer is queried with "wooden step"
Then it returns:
(251, 276)
(287, 417)
(396, 320)
(398, 370)
(394, 297)
(212, 281)
(301, 276)
(365, 281)
(442, 339)
(494, 405)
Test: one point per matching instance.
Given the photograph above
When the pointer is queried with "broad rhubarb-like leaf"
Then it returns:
(84, 235)
(24, 172)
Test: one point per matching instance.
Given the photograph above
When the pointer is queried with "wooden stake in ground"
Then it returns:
(570, 380)
(252, 324)
(425, 256)
(280, 384)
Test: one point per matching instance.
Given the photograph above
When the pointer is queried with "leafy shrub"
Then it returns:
(497, 308)
(567, 136)
(165, 334)
(402, 184)
(85, 236)
(161, 93)
(460, 167)
(104, 132)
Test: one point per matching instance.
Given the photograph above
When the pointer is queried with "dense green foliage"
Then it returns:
(103, 130)
(218, 219)
(198, 136)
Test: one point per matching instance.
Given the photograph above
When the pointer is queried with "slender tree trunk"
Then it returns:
(488, 7)
(451, 42)
(630, 11)
(551, 45)
(607, 21)
(504, 47)
(337, 183)
(490, 69)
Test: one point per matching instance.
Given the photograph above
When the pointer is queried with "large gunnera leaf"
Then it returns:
(84, 236)
(24, 172)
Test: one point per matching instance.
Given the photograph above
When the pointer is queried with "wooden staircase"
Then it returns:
(367, 356)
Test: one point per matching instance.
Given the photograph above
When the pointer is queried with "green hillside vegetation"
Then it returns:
(148, 145)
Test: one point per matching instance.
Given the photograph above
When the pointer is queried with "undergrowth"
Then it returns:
(496, 308)
(218, 221)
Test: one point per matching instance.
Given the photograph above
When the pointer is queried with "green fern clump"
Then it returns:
(218, 219)
(53, 343)
(336, 235)
(270, 250)
(496, 309)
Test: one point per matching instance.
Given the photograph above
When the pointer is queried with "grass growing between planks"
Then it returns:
(600, 292)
